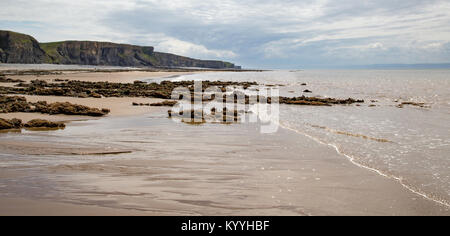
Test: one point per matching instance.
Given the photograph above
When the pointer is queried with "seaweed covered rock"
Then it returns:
(315, 101)
(38, 123)
(10, 104)
(164, 104)
(9, 80)
(13, 104)
(10, 124)
(67, 108)
(162, 90)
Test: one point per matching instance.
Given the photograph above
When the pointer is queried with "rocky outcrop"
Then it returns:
(20, 48)
(38, 123)
(67, 108)
(9, 104)
(10, 124)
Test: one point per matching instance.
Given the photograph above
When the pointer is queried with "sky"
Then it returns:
(276, 34)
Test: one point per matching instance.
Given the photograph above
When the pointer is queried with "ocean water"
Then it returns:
(409, 144)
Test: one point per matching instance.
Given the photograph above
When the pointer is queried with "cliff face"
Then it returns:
(171, 60)
(20, 48)
(98, 53)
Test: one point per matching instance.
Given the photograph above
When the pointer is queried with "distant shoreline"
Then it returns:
(39, 69)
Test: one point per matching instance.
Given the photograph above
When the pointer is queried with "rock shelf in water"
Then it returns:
(36, 123)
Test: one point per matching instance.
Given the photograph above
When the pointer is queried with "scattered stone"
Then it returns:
(372, 105)
(303, 84)
(307, 91)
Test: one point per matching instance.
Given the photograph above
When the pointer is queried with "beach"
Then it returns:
(136, 161)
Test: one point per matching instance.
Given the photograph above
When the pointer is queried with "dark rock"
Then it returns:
(67, 108)
(10, 124)
(9, 80)
(38, 123)
(417, 104)
(314, 101)
(307, 91)
(162, 90)
(13, 104)
(164, 103)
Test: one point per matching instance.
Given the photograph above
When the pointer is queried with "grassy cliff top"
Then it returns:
(17, 38)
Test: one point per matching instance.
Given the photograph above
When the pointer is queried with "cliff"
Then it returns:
(171, 60)
(98, 53)
(20, 48)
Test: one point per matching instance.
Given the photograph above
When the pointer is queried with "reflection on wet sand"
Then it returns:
(222, 170)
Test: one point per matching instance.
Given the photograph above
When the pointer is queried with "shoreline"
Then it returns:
(374, 170)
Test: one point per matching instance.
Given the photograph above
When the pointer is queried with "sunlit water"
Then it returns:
(410, 144)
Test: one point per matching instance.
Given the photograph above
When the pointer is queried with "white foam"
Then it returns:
(353, 161)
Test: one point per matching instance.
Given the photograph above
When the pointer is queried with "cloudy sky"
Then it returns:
(253, 33)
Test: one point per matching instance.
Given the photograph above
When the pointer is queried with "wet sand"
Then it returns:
(27, 207)
(177, 169)
(113, 77)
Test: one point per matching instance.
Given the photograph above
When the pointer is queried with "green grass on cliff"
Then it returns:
(19, 39)
(51, 49)
(149, 58)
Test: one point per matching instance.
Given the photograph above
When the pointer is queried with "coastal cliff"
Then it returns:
(98, 53)
(20, 48)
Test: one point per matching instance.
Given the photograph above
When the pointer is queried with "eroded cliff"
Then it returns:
(20, 48)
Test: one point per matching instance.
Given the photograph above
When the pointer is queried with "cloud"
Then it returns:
(269, 33)
(176, 46)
